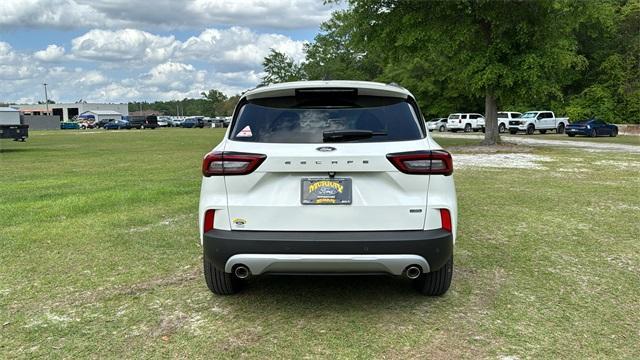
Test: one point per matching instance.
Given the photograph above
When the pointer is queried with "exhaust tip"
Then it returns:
(413, 272)
(241, 272)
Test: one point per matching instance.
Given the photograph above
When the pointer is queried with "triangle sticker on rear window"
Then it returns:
(246, 132)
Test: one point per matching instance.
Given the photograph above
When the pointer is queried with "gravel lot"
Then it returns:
(532, 141)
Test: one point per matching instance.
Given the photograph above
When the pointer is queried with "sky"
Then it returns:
(145, 50)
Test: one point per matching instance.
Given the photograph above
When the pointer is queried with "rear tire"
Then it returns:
(220, 282)
(502, 128)
(467, 128)
(442, 128)
(560, 129)
(614, 133)
(593, 133)
(435, 283)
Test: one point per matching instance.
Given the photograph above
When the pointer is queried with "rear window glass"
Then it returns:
(292, 120)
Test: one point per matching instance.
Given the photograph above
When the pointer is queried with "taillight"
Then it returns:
(208, 220)
(445, 217)
(436, 162)
(230, 163)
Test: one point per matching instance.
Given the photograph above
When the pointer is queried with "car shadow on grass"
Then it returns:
(331, 293)
(19, 150)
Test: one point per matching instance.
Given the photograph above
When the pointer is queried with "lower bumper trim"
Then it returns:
(335, 263)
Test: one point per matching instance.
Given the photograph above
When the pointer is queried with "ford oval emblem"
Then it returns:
(326, 148)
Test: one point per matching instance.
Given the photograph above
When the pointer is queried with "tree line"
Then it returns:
(213, 103)
(578, 58)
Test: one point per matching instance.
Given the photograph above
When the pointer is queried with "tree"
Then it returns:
(214, 96)
(502, 51)
(333, 56)
(279, 67)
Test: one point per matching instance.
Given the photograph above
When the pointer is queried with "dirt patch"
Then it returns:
(501, 148)
(100, 294)
(500, 160)
(459, 338)
(242, 340)
(162, 223)
(532, 141)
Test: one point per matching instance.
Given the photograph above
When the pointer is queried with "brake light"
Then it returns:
(230, 163)
(208, 220)
(436, 162)
(445, 217)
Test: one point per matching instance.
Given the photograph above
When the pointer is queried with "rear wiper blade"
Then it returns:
(346, 135)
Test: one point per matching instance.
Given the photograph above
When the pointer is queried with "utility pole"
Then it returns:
(46, 98)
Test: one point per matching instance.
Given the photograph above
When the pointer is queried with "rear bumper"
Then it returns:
(342, 252)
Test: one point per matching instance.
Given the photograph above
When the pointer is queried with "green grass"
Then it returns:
(100, 258)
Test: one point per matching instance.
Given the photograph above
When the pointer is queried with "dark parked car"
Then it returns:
(117, 125)
(102, 122)
(591, 128)
(192, 123)
(143, 122)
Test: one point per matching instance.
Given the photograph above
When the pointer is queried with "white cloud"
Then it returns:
(123, 45)
(50, 54)
(229, 50)
(15, 66)
(90, 78)
(165, 14)
(238, 46)
(174, 76)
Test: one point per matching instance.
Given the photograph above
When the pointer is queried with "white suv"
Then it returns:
(321, 177)
(465, 122)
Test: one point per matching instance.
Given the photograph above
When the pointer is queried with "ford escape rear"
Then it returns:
(321, 177)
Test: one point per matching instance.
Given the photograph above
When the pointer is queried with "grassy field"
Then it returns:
(100, 258)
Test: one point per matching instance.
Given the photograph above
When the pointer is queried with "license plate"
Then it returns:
(326, 191)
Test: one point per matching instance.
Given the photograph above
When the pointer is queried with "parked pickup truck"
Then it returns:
(504, 117)
(542, 121)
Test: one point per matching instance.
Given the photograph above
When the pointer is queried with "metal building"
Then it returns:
(67, 112)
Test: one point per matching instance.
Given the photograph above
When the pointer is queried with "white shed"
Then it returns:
(9, 116)
(98, 115)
